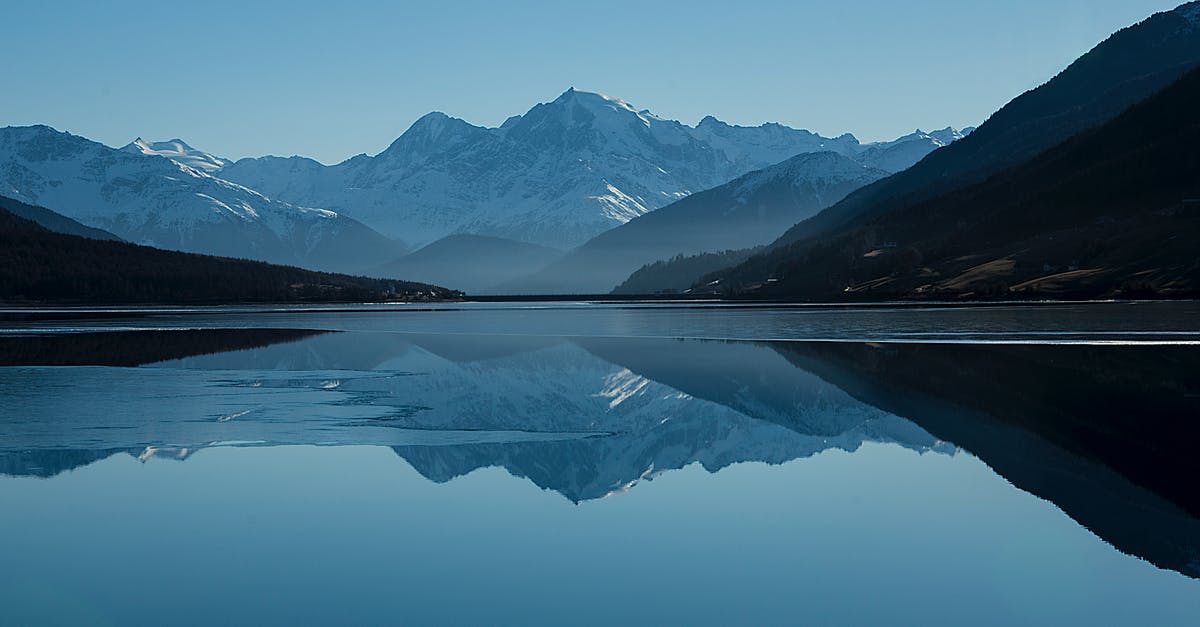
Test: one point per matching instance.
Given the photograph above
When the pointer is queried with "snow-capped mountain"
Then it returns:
(148, 199)
(178, 150)
(558, 175)
(902, 153)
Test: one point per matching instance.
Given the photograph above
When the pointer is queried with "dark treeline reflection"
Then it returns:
(1101, 431)
(1107, 433)
(135, 348)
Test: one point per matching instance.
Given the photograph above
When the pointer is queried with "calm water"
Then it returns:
(601, 464)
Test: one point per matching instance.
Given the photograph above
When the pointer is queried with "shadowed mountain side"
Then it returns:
(1105, 433)
(1125, 69)
(1128, 67)
(136, 348)
(40, 266)
(475, 264)
(52, 221)
(1113, 212)
(748, 211)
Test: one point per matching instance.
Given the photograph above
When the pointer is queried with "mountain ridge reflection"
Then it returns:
(591, 417)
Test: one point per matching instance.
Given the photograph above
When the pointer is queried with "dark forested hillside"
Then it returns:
(1113, 212)
(1127, 68)
(38, 265)
(53, 221)
(679, 272)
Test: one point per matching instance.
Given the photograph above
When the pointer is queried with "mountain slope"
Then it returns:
(1126, 68)
(52, 221)
(746, 212)
(158, 201)
(558, 175)
(38, 265)
(1115, 211)
(472, 263)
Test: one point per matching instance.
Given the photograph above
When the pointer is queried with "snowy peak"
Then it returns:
(180, 152)
(596, 103)
(943, 137)
(584, 119)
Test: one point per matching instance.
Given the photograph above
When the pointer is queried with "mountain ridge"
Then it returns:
(557, 175)
(1111, 212)
(38, 265)
(155, 200)
(1126, 68)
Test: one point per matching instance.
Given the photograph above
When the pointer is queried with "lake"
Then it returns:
(617, 463)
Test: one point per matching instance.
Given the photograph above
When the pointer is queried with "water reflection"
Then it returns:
(1102, 432)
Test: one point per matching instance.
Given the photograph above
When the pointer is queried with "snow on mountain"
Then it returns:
(748, 147)
(178, 150)
(558, 175)
(148, 199)
(903, 152)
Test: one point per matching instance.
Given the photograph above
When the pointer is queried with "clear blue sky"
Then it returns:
(333, 79)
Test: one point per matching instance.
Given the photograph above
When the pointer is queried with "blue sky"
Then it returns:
(333, 79)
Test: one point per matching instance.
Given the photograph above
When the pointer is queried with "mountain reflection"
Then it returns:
(1100, 431)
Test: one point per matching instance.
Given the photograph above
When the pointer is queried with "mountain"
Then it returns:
(156, 201)
(558, 175)
(1114, 211)
(1128, 67)
(177, 150)
(748, 211)
(51, 221)
(472, 263)
(39, 266)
